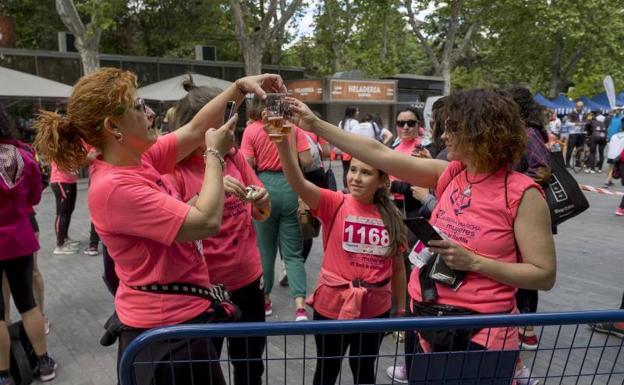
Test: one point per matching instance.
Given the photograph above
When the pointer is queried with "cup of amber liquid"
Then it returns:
(287, 124)
(275, 117)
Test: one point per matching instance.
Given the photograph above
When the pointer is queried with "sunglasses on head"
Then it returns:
(410, 123)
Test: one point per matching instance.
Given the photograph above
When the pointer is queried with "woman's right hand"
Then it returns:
(221, 139)
(302, 115)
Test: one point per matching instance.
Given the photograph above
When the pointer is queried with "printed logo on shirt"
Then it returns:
(363, 235)
(460, 201)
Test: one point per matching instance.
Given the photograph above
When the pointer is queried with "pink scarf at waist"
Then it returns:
(353, 294)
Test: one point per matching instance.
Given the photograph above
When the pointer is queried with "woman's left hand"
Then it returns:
(258, 84)
(455, 256)
(261, 198)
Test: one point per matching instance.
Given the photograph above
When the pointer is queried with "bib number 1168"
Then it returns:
(367, 235)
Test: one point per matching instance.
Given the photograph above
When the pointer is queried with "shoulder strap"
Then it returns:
(331, 226)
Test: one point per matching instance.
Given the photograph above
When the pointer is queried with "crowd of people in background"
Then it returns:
(190, 213)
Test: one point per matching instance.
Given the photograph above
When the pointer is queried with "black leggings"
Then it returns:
(596, 144)
(574, 141)
(65, 194)
(526, 300)
(204, 369)
(246, 353)
(19, 273)
(335, 346)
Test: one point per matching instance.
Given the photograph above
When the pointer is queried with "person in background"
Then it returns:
(380, 272)
(232, 255)
(150, 233)
(64, 186)
(597, 142)
(535, 163)
(281, 229)
(381, 133)
(349, 123)
(577, 123)
(20, 185)
(477, 182)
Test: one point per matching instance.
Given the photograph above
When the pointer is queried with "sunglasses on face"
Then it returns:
(410, 123)
(139, 105)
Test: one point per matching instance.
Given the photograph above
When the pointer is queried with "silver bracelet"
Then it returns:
(217, 154)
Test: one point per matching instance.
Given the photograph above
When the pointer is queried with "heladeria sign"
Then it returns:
(363, 90)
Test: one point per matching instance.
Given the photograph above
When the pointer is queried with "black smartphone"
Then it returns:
(229, 111)
(423, 230)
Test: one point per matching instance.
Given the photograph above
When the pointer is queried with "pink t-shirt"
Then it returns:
(256, 144)
(138, 216)
(479, 221)
(406, 146)
(58, 176)
(232, 255)
(356, 248)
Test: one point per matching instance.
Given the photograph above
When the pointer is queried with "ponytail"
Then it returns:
(56, 141)
(392, 219)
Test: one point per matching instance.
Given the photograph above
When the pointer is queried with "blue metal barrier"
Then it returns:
(567, 353)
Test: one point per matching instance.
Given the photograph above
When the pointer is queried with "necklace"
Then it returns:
(468, 190)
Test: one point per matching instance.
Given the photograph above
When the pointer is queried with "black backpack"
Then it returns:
(23, 357)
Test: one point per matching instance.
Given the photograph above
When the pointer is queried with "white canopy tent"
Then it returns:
(22, 85)
(171, 89)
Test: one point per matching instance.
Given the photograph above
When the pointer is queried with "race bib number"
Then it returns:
(365, 236)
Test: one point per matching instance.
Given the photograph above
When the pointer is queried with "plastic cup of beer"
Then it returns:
(288, 118)
(275, 117)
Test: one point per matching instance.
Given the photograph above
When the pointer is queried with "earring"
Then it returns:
(118, 136)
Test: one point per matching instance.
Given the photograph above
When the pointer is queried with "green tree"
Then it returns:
(34, 28)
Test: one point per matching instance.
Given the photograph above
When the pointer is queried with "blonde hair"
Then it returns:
(104, 93)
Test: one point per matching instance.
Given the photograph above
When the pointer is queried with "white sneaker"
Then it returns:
(67, 248)
(397, 374)
(522, 377)
(72, 242)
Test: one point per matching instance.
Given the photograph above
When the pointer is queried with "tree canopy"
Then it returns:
(553, 46)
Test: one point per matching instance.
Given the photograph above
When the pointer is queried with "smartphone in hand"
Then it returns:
(230, 110)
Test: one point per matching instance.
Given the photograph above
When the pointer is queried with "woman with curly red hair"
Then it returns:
(150, 233)
(496, 220)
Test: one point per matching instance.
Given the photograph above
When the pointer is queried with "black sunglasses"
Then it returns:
(410, 123)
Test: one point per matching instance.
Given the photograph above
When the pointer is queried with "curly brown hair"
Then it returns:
(487, 126)
(104, 93)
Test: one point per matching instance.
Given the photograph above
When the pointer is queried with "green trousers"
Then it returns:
(281, 230)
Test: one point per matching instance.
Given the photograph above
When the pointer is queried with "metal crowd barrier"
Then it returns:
(569, 351)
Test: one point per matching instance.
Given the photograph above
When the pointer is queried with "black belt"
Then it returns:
(368, 285)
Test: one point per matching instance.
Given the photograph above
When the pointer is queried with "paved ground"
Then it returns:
(589, 250)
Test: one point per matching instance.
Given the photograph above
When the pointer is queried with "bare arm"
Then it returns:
(387, 137)
(304, 189)
(191, 135)
(538, 268)
(419, 172)
(204, 217)
(305, 158)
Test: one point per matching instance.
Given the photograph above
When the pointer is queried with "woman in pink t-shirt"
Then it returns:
(64, 186)
(232, 255)
(496, 220)
(150, 233)
(362, 274)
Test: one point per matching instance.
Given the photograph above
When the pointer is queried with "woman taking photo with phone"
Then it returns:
(362, 274)
(150, 233)
(496, 220)
(232, 255)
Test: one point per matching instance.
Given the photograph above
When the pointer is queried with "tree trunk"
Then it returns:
(87, 38)
(252, 55)
(446, 75)
(555, 67)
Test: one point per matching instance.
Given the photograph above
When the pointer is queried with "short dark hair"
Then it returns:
(7, 129)
(413, 110)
